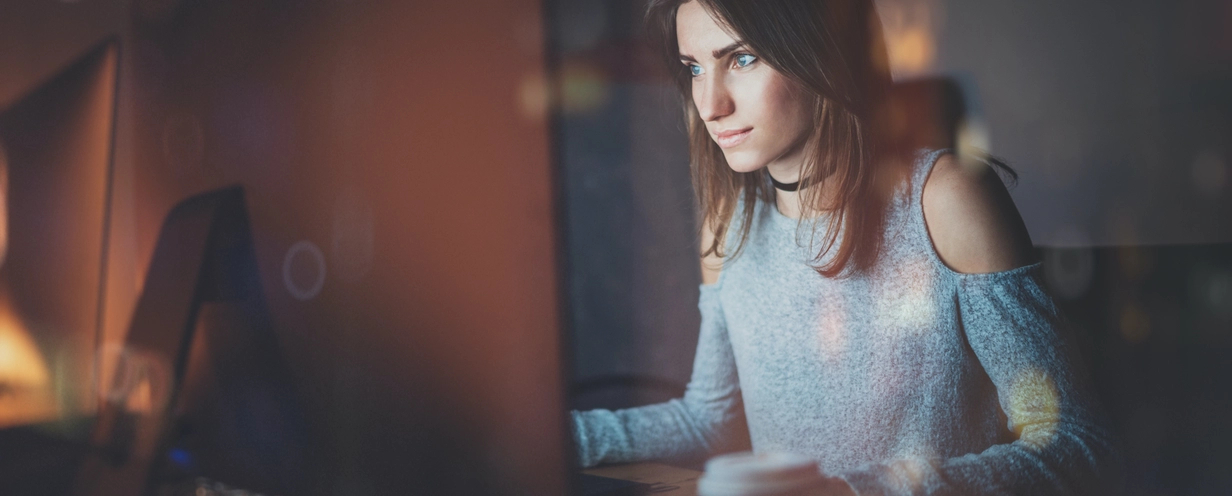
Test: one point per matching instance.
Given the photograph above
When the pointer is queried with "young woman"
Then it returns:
(875, 308)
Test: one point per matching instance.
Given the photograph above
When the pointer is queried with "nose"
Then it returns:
(713, 100)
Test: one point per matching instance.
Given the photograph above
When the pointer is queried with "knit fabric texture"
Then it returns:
(910, 378)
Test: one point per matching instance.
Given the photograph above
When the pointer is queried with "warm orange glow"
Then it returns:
(25, 382)
(140, 381)
(533, 97)
(141, 399)
(911, 50)
(909, 28)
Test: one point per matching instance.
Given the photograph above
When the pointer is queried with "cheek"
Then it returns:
(779, 107)
(790, 105)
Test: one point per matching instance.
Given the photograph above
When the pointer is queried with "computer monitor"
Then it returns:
(57, 151)
(403, 219)
(201, 388)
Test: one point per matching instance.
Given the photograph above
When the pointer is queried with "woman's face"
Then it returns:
(755, 114)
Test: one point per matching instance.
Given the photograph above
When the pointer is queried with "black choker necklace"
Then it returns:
(784, 187)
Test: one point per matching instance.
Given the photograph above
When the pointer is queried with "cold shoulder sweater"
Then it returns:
(910, 378)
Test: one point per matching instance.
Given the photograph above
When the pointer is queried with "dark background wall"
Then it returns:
(1118, 115)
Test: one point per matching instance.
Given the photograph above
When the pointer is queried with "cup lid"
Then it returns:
(762, 467)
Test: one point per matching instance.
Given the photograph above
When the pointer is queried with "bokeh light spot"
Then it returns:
(303, 270)
(142, 382)
(906, 305)
(909, 28)
(533, 97)
(1135, 324)
(832, 331)
(141, 398)
(1034, 406)
(1209, 173)
(27, 392)
(584, 89)
(1215, 292)
(911, 51)
(914, 470)
(973, 142)
(1069, 271)
(1135, 262)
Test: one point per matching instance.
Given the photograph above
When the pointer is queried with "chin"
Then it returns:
(741, 162)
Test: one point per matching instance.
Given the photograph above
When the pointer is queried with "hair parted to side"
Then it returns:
(833, 49)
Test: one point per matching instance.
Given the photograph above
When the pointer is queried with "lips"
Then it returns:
(728, 139)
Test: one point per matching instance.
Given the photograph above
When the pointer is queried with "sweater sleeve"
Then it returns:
(708, 419)
(1060, 447)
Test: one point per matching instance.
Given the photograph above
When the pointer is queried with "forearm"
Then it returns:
(663, 431)
(1064, 458)
(708, 419)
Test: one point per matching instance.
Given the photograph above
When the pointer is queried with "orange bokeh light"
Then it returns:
(25, 382)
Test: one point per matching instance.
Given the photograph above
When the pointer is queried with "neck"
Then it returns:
(788, 202)
(784, 187)
(784, 173)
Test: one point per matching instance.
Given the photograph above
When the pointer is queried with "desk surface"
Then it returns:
(668, 480)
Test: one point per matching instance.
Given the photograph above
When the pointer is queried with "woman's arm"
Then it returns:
(709, 419)
(1019, 338)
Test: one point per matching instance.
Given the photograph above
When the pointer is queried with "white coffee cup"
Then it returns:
(761, 474)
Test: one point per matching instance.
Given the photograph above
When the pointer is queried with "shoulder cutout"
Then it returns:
(972, 220)
(711, 264)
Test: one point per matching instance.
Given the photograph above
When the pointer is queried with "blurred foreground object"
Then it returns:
(57, 142)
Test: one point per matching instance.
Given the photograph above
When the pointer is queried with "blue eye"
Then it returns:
(744, 59)
(695, 70)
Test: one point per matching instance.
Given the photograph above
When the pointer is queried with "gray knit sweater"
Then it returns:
(909, 379)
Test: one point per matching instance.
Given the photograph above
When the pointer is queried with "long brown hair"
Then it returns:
(834, 50)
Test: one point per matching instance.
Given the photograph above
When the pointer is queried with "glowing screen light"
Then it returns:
(25, 385)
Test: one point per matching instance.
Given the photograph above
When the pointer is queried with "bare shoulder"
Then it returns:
(972, 220)
(712, 264)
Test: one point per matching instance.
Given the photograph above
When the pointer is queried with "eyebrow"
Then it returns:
(718, 54)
